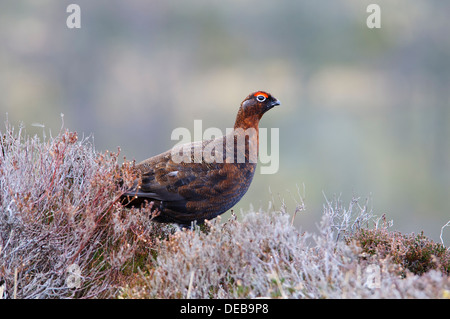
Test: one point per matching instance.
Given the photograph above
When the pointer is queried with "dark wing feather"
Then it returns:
(189, 191)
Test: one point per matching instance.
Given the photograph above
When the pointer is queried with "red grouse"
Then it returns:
(201, 180)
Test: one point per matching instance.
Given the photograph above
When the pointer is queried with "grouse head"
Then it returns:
(253, 108)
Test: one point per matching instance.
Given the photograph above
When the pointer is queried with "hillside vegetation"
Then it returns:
(63, 235)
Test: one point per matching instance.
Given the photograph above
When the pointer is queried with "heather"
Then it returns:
(63, 234)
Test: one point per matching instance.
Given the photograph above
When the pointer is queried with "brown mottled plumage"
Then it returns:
(186, 186)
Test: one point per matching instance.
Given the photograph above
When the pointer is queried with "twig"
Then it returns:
(299, 206)
(191, 280)
(15, 284)
(442, 232)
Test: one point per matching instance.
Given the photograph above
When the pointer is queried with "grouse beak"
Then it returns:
(273, 103)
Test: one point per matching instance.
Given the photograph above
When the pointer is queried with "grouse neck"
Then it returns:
(245, 121)
(244, 144)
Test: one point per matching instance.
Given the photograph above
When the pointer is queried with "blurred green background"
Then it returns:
(365, 112)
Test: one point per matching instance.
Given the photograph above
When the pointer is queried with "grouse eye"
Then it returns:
(261, 98)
